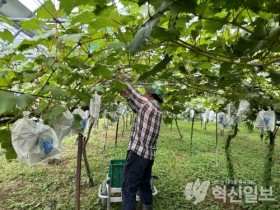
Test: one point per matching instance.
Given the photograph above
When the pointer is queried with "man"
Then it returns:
(142, 146)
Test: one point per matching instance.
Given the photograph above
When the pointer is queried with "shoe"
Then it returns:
(147, 207)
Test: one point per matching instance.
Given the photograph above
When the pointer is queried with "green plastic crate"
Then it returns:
(116, 172)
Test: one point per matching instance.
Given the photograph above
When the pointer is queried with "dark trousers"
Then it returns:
(136, 177)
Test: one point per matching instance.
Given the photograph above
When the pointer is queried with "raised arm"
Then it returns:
(134, 98)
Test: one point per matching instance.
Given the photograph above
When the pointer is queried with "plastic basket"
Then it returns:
(116, 172)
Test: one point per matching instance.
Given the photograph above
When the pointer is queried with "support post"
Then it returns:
(78, 171)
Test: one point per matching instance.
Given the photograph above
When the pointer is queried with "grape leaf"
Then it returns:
(157, 68)
(6, 144)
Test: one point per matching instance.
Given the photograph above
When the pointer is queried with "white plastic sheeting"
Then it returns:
(229, 112)
(192, 113)
(122, 110)
(208, 115)
(243, 108)
(113, 112)
(94, 108)
(63, 125)
(223, 120)
(205, 115)
(243, 111)
(266, 120)
(83, 114)
(33, 141)
(212, 116)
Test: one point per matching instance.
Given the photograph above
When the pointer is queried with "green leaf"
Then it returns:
(101, 70)
(227, 80)
(164, 34)
(116, 45)
(56, 92)
(194, 34)
(225, 69)
(6, 20)
(112, 58)
(47, 11)
(275, 77)
(73, 37)
(124, 20)
(212, 26)
(99, 89)
(29, 77)
(157, 68)
(32, 24)
(276, 107)
(276, 49)
(49, 61)
(104, 11)
(4, 82)
(6, 144)
(83, 95)
(273, 6)
(9, 101)
(124, 36)
(140, 68)
(167, 120)
(23, 100)
(188, 6)
(5, 138)
(100, 3)
(104, 22)
(247, 45)
(72, 78)
(67, 6)
(204, 9)
(205, 65)
(118, 86)
(76, 62)
(233, 4)
(51, 115)
(84, 17)
(3, 74)
(20, 57)
(25, 45)
(6, 35)
(254, 5)
(259, 29)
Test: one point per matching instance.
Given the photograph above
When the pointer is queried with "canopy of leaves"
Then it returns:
(223, 50)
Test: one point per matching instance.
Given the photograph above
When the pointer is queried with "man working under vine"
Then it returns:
(142, 146)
